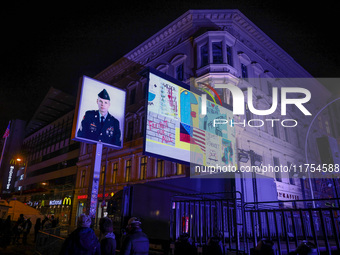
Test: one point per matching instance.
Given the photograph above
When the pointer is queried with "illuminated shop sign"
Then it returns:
(287, 196)
(55, 202)
(67, 201)
(99, 195)
(10, 175)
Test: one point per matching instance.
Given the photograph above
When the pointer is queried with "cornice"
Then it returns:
(186, 25)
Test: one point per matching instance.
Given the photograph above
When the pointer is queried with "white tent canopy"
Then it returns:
(18, 208)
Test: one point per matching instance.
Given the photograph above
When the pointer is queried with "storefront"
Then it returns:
(101, 211)
(59, 208)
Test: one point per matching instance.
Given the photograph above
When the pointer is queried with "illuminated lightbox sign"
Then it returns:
(55, 202)
(177, 130)
(96, 100)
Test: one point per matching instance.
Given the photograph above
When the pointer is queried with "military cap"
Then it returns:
(104, 95)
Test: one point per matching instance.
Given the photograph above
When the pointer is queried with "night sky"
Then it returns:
(53, 45)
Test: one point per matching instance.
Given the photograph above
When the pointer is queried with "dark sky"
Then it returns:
(55, 44)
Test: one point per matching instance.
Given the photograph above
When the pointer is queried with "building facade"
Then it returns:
(214, 47)
(50, 156)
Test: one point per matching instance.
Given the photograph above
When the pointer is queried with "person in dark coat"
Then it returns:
(136, 242)
(184, 247)
(100, 125)
(26, 230)
(6, 232)
(18, 228)
(107, 241)
(37, 227)
(83, 240)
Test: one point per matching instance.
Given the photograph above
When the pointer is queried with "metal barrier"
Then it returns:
(241, 226)
(48, 243)
(288, 228)
(209, 215)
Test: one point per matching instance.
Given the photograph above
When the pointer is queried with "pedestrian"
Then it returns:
(53, 222)
(37, 227)
(26, 230)
(6, 232)
(81, 241)
(44, 223)
(136, 242)
(107, 241)
(215, 246)
(18, 227)
(184, 245)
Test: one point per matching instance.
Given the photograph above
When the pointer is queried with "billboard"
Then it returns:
(100, 113)
(178, 130)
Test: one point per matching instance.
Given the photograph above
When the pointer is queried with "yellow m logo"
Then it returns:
(67, 201)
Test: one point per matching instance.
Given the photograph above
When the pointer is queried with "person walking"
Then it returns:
(18, 227)
(136, 242)
(26, 230)
(83, 240)
(37, 227)
(107, 241)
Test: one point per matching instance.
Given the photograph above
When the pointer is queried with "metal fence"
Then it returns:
(49, 242)
(241, 226)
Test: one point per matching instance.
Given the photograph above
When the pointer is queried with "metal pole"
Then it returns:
(94, 186)
(104, 184)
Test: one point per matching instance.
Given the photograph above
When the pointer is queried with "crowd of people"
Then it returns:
(17, 232)
(83, 240)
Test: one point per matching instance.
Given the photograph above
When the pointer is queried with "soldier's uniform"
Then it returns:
(108, 132)
(92, 128)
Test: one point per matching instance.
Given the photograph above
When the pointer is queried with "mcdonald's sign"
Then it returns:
(67, 201)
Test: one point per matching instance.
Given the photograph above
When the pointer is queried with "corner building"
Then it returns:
(213, 47)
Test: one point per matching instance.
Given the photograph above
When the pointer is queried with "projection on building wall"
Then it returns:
(176, 130)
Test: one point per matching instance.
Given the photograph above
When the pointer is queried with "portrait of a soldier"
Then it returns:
(99, 124)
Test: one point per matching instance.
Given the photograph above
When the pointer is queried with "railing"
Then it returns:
(241, 226)
(48, 243)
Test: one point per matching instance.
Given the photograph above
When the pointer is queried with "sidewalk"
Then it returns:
(20, 249)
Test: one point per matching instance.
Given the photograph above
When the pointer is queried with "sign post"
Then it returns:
(94, 186)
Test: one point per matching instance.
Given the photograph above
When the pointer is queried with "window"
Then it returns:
(204, 55)
(143, 164)
(160, 168)
(229, 56)
(217, 52)
(114, 173)
(286, 134)
(179, 169)
(82, 180)
(102, 175)
(129, 135)
(291, 174)
(127, 170)
(277, 173)
(244, 71)
(249, 115)
(270, 88)
(275, 128)
(180, 72)
(132, 96)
